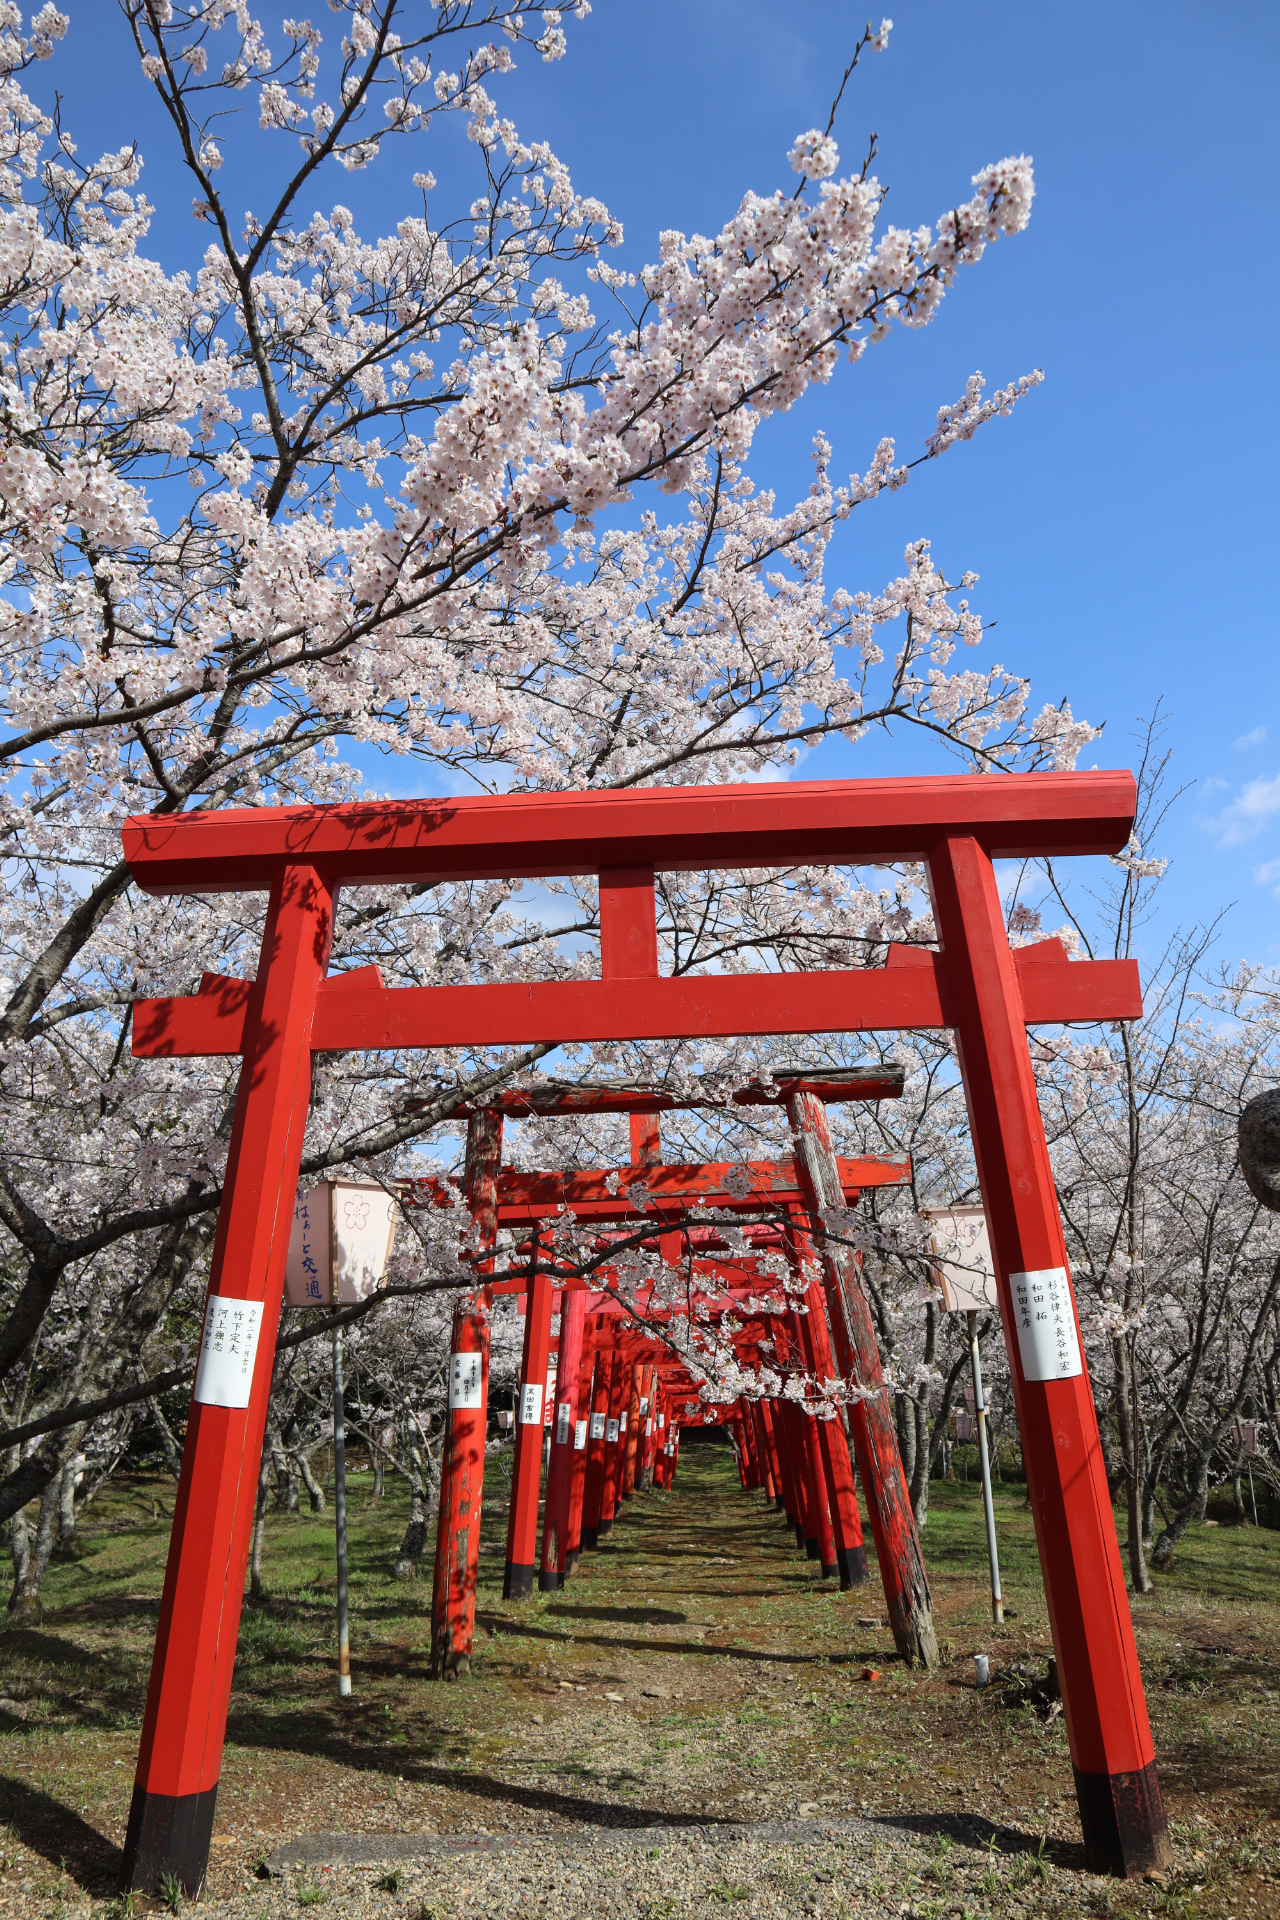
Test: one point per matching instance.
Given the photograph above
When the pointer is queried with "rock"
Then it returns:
(1258, 1135)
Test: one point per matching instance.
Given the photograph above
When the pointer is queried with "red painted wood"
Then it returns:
(768, 1455)
(619, 1394)
(185, 1718)
(667, 829)
(792, 1505)
(578, 1467)
(628, 924)
(457, 1563)
(833, 1446)
(1103, 1701)
(526, 1469)
(593, 1495)
(633, 1432)
(564, 1011)
(857, 1353)
(555, 1519)
(634, 1193)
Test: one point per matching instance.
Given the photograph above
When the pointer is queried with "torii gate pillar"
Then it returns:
(1112, 1755)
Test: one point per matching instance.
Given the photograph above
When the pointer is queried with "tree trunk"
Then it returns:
(379, 1465)
(1129, 1455)
(260, 1524)
(172, 1451)
(29, 1572)
(1191, 1509)
(67, 1541)
(286, 1481)
(417, 1533)
(923, 1456)
(315, 1492)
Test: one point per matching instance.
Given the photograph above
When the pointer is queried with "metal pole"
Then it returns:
(340, 1517)
(980, 1414)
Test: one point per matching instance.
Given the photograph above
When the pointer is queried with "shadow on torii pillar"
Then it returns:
(974, 985)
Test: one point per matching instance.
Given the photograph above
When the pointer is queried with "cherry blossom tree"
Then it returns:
(328, 498)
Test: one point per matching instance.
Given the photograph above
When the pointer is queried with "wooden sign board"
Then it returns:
(340, 1242)
(962, 1269)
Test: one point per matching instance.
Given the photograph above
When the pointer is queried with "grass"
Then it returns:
(740, 1676)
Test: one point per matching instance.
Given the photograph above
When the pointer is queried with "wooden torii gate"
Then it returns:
(974, 984)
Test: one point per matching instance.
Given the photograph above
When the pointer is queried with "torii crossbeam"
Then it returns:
(975, 985)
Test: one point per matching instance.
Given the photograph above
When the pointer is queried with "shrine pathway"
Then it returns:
(687, 1726)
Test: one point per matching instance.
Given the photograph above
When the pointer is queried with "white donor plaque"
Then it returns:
(597, 1426)
(228, 1345)
(611, 1432)
(465, 1380)
(531, 1405)
(564, 1420)
(579, 1435)
(1047, 1338)
(622, 1423)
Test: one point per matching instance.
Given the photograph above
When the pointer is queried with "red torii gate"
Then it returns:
(658, 1195)
(509, 1199)
(975, 985)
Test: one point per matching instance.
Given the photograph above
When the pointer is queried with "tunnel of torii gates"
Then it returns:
(973, 984)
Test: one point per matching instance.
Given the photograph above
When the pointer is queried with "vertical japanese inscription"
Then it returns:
(228, 1346)
(531, 1405)
(1047, 1337)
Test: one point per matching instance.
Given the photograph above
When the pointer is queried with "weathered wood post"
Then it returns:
(893, 1526)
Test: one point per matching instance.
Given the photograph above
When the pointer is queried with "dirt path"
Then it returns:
(686, 1726)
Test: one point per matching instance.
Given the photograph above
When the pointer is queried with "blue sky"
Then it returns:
(1123, 521)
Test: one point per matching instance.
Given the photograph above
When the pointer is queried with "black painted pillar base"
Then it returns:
(829, 1572)
(517, 1583)
(853, 1566)
(571, 1560)
(591, 1538)
(606, 1526)
(799, 1533)
(550, 1581)
(779, 1503)
(812, 1551)
(168, 1838)
(1122, 1816)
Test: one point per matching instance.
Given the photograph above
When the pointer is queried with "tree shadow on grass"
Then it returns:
(321, 1739)
(58, 1834)
(632, 1643)
(984, 1836)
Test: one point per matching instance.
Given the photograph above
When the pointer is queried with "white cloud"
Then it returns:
(1268, 875)
(1254, 738)
(1258, 804)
